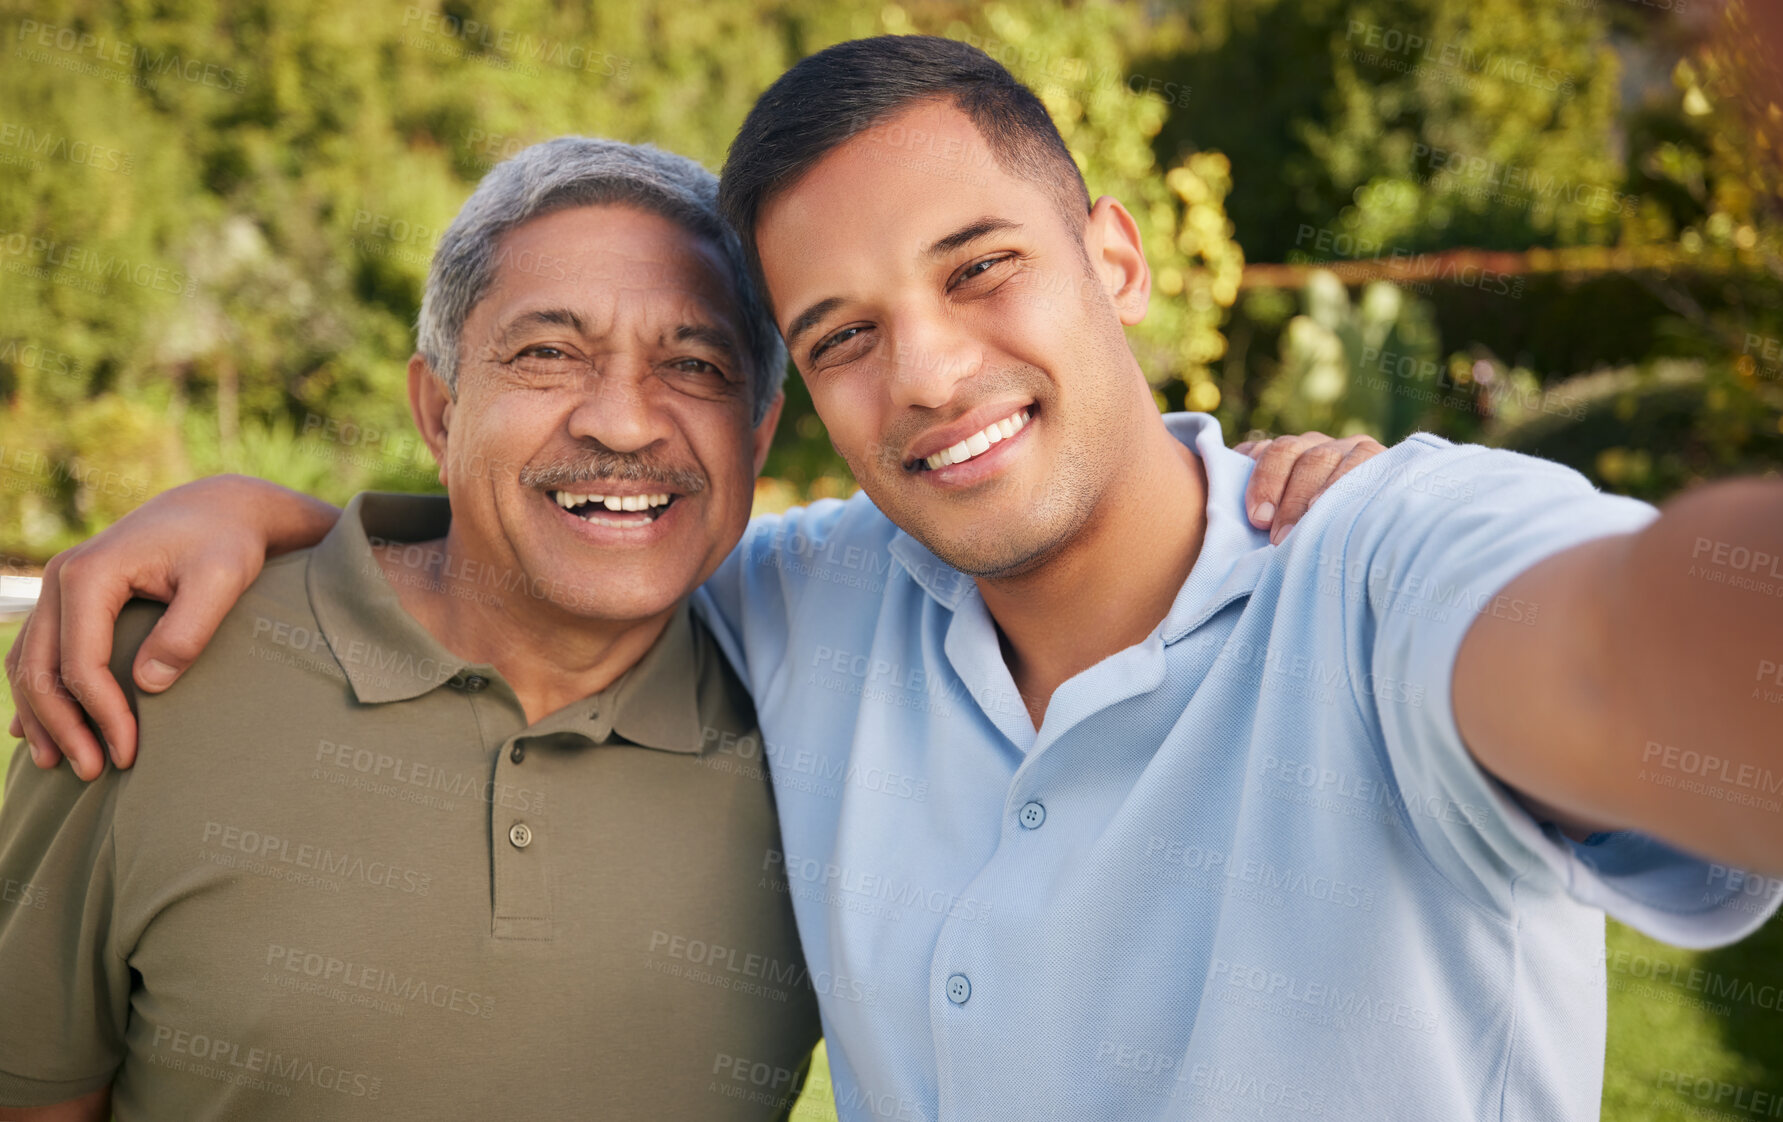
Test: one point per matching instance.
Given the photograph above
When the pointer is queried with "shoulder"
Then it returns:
(854, 521)
(1425, 484)
(275, 608)
(830, 542)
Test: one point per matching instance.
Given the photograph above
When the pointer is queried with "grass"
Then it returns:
(1658, 1030)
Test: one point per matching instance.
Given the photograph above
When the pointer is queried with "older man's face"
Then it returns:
(601, 446)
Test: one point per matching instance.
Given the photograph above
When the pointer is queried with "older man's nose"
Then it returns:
(618, 410)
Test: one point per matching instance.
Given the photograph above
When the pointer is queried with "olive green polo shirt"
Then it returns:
(346, 879)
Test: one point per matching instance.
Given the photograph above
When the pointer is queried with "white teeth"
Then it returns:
(978, 442)
(569, 500)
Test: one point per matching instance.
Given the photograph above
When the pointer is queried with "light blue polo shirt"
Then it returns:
(1244, 868)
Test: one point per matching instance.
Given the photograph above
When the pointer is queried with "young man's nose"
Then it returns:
(928, 358)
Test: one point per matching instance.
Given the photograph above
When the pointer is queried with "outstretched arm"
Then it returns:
(196, 548)
(1649, 695)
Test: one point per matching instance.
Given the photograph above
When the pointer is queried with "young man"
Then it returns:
(1131, 815)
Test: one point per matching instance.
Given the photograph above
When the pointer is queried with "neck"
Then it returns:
(1114, 581)
(549, 656)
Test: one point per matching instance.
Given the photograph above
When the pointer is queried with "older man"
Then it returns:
(434, 829)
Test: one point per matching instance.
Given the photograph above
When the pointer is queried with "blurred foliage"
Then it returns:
(216, 217)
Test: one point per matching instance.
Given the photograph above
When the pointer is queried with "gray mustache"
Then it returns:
(610, 467)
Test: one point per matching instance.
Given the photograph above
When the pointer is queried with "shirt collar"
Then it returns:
(384, 651)
(1233, 552)
(387, 655)
(657, 702)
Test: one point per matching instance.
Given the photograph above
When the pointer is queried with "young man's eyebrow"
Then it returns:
(966, 235)
(809, 318)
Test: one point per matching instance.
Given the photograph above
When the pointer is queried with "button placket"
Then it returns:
(519, 843)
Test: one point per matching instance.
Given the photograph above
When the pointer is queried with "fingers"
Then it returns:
(48, 712)
(1269, 479)
(25, 725)
(1305, 479)
(43, 751)
(200, 602)
(90, 600)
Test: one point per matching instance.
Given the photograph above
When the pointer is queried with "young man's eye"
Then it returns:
(839, 337)
(978, 268)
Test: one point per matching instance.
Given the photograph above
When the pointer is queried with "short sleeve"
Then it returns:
(1431, 550)
(66, 985)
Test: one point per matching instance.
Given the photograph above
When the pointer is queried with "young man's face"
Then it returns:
(607, 359)
(927, 295)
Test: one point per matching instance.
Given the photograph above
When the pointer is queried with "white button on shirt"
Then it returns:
(1270, 881)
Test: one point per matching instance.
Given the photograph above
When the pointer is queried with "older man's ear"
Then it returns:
(431, 406)
(764, 431)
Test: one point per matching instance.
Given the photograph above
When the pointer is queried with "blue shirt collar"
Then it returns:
(1233, 553)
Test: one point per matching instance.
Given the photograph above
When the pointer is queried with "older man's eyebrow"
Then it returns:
(810, 318)
(970, 233)
(712, 337)
(545, 317)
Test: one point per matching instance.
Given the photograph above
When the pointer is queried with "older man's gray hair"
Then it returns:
(584, 171)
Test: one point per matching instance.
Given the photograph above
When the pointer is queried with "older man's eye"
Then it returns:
(542, 350)
(696, 366)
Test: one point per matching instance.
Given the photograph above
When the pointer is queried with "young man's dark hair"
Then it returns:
(839, 93)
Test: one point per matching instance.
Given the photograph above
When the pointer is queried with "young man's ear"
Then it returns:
(431, 407)
(1117, 257)
(764, 432)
